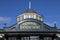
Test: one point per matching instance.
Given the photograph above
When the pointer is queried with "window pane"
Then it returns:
(30, 38)
(34, 16)
(18, 19)
(29, 16)
(34, 37)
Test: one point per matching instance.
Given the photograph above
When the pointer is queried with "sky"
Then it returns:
(9, 9)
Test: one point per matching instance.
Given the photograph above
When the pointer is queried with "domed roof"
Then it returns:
(30, 11)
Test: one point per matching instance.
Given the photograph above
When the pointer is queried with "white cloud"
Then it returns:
(50, 24)
(5, 19)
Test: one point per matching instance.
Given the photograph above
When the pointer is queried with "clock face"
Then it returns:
(29, 26)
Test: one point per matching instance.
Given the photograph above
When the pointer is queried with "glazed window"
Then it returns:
(34, 16)
(30, 25)
(18, 19)
(30, 38)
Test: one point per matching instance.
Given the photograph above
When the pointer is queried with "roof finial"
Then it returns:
(4, 23)
(29, 4)
(55, 24)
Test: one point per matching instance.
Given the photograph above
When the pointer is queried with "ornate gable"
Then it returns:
(30, 26)
(30, 21)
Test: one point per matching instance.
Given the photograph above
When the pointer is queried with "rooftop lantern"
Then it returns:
(29, 14)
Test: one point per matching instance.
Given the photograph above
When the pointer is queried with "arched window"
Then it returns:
(30, 25)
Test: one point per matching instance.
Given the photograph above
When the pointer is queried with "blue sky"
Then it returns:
(9, 9)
